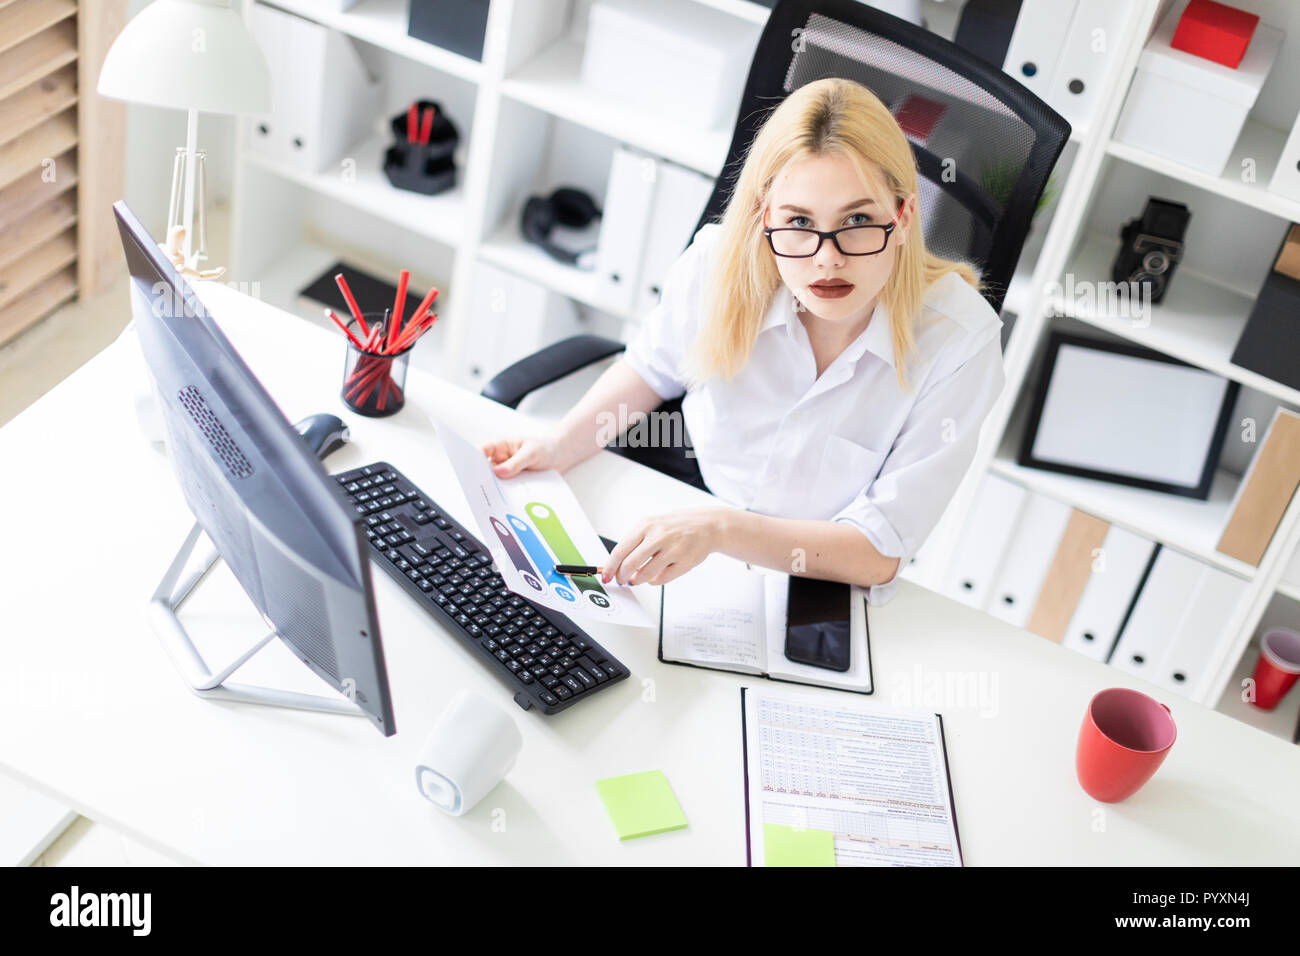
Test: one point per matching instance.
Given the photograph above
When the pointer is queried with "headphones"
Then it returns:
(566, 206)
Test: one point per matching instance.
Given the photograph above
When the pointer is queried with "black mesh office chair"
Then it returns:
(984, 148)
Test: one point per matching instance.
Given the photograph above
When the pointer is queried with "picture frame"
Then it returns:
(1159, 423)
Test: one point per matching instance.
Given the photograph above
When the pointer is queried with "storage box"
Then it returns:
(323, 99)
(1188, 109)
(1267, 343)
(455, 25)
(684, 60)
(1214, 31)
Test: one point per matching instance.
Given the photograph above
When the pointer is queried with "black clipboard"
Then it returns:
(744, 770)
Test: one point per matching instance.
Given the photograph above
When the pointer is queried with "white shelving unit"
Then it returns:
(1282, 610)
(551, 82)
(383, 24)
(1199, 322)
(528, 124)
(433, 216)
(508, 249)
(1187, 524)
(1257, 142)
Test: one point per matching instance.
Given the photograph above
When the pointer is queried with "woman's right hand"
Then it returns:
(509, 456)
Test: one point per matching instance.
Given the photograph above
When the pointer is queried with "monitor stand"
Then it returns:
(215, 685)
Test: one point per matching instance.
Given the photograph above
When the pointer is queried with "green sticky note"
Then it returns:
(639, 804)
(786, 846)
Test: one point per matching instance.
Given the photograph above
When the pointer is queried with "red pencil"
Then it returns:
(367, 382)
(367, 363)
(342, 283)
(423, 307)
(352, 338)
(395, 326)
(410, 122)
(414, 331)
(426, 125)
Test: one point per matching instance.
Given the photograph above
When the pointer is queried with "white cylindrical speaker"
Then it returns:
(470, 750)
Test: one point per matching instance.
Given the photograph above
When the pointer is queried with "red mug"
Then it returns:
(1125, 737)
(1277, 668)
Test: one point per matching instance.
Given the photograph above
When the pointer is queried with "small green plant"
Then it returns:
(999, 177)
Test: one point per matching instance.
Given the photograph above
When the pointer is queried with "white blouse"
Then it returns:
(849, 445)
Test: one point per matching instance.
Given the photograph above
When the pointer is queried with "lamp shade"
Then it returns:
(188, 54)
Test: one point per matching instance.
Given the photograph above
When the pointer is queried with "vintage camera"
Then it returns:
(1151, 246)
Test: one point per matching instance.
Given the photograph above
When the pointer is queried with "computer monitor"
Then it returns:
(280, 522)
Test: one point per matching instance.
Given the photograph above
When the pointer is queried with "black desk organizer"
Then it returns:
(423, 169)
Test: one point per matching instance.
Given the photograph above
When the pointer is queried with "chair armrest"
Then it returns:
(510, 385)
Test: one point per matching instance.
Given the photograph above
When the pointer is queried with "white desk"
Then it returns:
(93, 713)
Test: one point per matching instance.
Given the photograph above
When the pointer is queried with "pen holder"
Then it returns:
(426, 169)
(374, 384)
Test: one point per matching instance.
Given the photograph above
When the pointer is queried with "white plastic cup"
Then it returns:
(470, 750)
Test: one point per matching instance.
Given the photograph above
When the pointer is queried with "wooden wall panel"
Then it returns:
(61, 156)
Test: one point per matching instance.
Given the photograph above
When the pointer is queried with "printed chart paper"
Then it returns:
(531, 523)
(865, 784)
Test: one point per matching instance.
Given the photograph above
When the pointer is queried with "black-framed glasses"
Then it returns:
(792, 243)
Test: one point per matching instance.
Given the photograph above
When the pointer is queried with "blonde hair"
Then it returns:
(826, 117)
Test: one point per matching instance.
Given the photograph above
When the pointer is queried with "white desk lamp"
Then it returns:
(194, 55)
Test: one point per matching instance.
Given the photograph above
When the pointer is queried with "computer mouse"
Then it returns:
(323, 433)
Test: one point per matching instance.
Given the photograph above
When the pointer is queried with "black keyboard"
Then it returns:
(542, 656)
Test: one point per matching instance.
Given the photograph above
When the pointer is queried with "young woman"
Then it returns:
(833, 373)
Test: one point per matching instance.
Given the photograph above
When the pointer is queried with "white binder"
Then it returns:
(680, 197)
(1036, 43)
(512, 317)
(1186, 667)
(984, 540)
(624, 224)
(323, 99)
(1086, 52)
(1157, 615)
(1095, 624)
(1028, 555)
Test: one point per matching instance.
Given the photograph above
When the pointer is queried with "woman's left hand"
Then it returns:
(665, 547)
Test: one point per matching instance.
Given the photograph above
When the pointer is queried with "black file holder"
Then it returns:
(426, 169)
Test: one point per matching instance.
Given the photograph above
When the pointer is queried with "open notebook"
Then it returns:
(725, 616)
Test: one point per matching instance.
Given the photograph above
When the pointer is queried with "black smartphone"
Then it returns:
(817, 623)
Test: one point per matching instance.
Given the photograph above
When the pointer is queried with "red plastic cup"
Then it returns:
(1277, 668)
(1125, 737)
